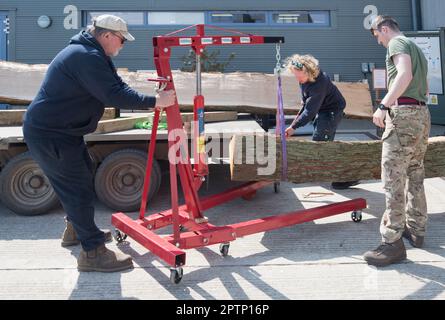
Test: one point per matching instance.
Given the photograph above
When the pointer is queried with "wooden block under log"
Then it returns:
(120, 124)
(110, 113)
(310, 161)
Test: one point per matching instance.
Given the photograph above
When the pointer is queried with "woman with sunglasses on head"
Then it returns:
(322, 103)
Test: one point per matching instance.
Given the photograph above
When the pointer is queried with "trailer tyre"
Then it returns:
(24, 188)
(119, 179)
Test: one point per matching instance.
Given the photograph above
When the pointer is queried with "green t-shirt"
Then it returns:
(418, 87)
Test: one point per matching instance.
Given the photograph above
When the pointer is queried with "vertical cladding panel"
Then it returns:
(433, 14)
(340, 48)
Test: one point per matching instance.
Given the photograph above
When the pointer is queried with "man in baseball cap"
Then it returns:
(111, 32)
(113, 23)
(80, 81)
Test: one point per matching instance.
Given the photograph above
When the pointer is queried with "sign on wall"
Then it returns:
(431, 48)
(379, 78)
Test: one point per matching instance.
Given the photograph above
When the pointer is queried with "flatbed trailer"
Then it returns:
(119, 162)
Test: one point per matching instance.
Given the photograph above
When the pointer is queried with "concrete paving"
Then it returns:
(316, 260)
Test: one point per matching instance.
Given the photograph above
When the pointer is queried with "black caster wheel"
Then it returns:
(356, 216)
(176, 275)
(224, 249)
(276, 187)
(119, 236)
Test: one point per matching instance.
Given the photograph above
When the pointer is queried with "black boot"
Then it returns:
(386, 254)
(69, 236)
(102, 259)
(415, 241)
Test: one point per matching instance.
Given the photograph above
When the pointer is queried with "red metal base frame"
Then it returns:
(201, 234)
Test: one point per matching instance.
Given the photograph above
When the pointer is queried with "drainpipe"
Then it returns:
(416, 15)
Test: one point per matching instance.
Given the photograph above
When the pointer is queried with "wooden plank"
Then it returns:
(11, 117)
(14, 101)
(189, 108)
(212, 116)
(14, 117)
(310, 161)
(120, 124)
(240, 109)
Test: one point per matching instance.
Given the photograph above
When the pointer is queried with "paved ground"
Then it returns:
(315, 260)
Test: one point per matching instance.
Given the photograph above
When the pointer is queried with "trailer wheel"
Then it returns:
(119, 179)
(24, 188)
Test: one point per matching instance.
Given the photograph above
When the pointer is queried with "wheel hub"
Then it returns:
(36, 182)
(128, 179)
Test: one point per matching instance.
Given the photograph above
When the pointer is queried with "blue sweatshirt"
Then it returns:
(319, 96)
(80, 81)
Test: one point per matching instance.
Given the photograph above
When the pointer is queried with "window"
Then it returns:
(312, 18)
(238, 17)
(132, 18)
(291, 18)
(176, 18)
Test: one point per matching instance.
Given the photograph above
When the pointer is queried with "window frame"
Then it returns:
(328, 14)
(86, 14)
(259, 24)
(168, 25)
(269, 21)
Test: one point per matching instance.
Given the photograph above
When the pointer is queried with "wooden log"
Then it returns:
(14, 117)
(244, 92)
(310, 161)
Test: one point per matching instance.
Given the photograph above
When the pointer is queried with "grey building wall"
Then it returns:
(433, 14)
(340, 48)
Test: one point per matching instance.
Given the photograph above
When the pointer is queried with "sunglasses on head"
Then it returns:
(297, 65)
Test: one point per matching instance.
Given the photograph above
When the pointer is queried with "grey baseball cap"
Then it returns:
(113, 23)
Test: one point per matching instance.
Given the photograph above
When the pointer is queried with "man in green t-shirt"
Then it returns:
(405, 141)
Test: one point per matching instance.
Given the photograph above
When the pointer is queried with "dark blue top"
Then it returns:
(79, 83)
(319, 96)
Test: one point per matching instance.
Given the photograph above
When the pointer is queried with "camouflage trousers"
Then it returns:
(405, 141)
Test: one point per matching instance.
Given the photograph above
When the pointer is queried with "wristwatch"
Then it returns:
(383, 107)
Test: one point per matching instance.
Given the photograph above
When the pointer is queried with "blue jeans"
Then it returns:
(325, 125)
(68, 166)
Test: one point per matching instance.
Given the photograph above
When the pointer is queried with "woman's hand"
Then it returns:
(289, 132)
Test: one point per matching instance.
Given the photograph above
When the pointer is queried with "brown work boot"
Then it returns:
(386, 254)
(102, 259)
(69, 237)
(415, 241)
